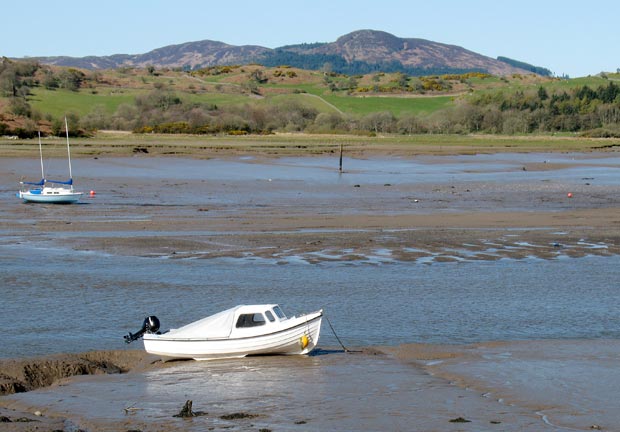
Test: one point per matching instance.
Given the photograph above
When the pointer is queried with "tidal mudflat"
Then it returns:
(474, 288)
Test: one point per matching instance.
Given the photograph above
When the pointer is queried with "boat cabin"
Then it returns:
(260, 316)
(240, 321)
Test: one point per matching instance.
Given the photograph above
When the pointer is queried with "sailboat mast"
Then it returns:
(68, 150)
(41, 157)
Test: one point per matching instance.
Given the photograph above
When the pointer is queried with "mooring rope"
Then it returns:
(334, 331)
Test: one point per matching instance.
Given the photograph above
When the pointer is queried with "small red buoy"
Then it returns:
(92, 193)
(570, 194)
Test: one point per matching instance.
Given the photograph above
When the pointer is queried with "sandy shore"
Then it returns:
(414, 387)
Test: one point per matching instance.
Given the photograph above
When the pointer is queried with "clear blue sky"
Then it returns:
(574, 38)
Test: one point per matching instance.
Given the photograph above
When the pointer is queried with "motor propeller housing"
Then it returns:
(150, 325)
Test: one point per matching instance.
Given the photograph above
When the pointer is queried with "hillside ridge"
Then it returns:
(361, 51)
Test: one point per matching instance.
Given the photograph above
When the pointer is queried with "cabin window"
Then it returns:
(270, 316)
(250, 320)
(279, 312)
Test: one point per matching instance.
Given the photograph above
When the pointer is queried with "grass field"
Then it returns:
(59, 102)
(395, 105)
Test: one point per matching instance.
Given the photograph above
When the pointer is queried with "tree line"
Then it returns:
(592, 111)
(526, 66)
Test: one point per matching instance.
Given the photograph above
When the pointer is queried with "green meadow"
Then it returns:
(395, 105)
(59, 102)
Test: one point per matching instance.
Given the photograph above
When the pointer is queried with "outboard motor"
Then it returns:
(150, 325)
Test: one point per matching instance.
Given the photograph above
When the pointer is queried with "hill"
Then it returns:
(190, 55)
(381, 51)
(359, 52)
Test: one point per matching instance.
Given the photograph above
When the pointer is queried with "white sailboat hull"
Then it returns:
(297, 335)
(51, 195)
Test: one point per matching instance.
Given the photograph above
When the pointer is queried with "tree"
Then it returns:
(327, 68)
(20, 107)
(50, 81)
(328, 123)
(258, 76)
(409, 124)
(98, 118)
(351, 83)
(471, 117)
(401, 80)
(157, 99)
(542, 93)
(493, 119)
(70, 79)
(251, 87)
(8, 78)
(125, 117)
(379, 122)
(514, 123)
(608, 93)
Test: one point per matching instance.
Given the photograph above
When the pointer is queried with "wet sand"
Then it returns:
(141, 211)
(567, 384)
(181, 208)
(507, 386)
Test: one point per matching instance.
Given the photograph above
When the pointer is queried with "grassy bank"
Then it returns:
(124, 144)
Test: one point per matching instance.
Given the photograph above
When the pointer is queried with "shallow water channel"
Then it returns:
(57, 300)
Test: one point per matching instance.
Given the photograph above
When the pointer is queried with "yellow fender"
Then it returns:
(304, 341)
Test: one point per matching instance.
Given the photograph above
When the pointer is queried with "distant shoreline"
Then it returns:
(121, 143)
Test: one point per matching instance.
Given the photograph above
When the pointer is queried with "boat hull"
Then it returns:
(51, 197)
(300, 335)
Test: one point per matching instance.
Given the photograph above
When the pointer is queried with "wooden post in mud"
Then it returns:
(340, 166)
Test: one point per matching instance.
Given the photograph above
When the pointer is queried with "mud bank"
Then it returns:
(23, 375)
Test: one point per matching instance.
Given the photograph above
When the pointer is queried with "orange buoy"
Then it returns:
(570, 194)
(92, 193)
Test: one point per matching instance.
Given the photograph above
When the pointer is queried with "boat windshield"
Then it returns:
(279, 312)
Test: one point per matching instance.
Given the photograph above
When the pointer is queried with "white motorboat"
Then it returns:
(237, 332)
(50, 191)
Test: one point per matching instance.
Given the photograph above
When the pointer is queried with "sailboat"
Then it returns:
(50, 191)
